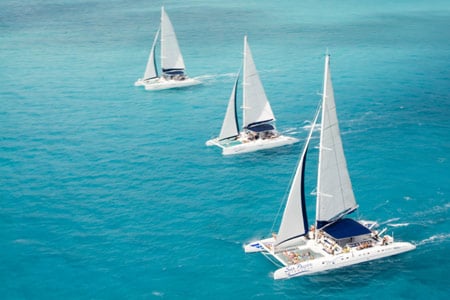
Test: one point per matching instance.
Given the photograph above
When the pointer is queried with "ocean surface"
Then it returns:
(107, 191)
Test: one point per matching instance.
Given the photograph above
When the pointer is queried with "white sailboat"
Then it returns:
(259, 130)
(335, 241)
(172, 64)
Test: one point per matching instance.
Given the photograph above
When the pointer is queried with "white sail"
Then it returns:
(230, 127)
(150, 69)
(294, 222)
(334, 189)
(171, 58)
(256, 105)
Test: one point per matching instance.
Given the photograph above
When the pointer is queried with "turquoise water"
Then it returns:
(108, 191)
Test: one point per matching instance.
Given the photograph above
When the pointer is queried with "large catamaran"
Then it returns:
(173, 73)
(259, 130)
(335, 240)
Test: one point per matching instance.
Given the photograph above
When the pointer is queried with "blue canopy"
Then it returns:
(260, 127)
(346, 228)
(173, 71)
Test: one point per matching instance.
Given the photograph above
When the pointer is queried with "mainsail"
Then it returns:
(294, 222)
(230, 126)
(334, 189)
(256, 108)
(151, 70)
(171, 58)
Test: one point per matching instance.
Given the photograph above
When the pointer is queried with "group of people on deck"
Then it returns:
(295, 258)
(178, 77)
(253, 136)
(364, 245)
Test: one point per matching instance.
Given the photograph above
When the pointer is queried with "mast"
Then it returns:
(324, 91)
(335, 197)
(244, 83)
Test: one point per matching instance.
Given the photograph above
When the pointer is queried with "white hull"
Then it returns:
(331, 262)
(231, 147)
(319, 260)
(163, 84)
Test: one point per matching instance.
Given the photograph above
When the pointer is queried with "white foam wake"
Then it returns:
(437, 238)
(213, 77)
(307, 127)
(291, 130)
(398, 224)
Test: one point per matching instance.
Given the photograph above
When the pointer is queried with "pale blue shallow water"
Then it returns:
(108, 192)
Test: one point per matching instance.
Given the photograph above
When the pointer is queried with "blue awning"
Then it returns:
(173, 71)
(346, 228)
(260, 127)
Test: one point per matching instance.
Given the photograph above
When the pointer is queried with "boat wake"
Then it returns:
(308, 125)
(387, 222)
(210, 78)
(158, 294)
(435, 239)
(393, 223)
(398, 225)
(292, 130)
(26, 242)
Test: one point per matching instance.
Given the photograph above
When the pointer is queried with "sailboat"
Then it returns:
(259, 131)
(336, 240)
(173, 73)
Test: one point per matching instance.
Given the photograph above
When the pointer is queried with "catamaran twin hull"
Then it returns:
(172, 69)
(258, 120)
(334, 241)
(237, 146)
(314, 256)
